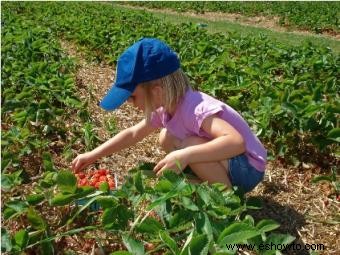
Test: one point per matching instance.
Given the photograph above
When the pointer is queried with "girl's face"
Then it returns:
(138, 97)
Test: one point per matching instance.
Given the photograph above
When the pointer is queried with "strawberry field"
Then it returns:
(314, 16)
(289, 95)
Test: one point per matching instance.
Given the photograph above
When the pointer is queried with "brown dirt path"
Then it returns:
(302, 209)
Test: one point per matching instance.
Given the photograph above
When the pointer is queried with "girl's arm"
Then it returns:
(227, 143)
(124, 139)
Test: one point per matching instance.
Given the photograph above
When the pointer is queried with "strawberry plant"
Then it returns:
(169, 215)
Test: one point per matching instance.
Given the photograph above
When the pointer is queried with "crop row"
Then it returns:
(38, 97)
(288, 95)
(313, 16)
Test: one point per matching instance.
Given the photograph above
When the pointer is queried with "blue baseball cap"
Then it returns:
(146, 60)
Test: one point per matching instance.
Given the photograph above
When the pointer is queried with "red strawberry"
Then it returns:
(102, 171)
(102, 178)
(81, 175)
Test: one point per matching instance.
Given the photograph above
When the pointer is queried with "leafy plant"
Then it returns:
(173, 215)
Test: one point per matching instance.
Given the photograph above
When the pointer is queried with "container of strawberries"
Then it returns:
(95, 178)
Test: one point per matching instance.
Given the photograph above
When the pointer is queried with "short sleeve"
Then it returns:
(156, 120)
(202, 114)
(196, 112)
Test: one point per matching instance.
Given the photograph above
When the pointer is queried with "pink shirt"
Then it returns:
(194, 108)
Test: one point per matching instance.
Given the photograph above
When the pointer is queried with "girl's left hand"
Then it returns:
(175, 161)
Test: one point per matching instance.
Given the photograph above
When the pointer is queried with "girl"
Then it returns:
(197, 130)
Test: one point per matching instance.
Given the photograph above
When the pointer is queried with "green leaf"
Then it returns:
(249, 220)
(179, 218)
(116, 218)
(73, 102)
(104, 186)
(203, 225)
(49, 179)
(34, 199)
(67, 182)
(84, 191)
(48, 162)
(9, 213)
(320, 178)
(185, 247)
(8, 181)
(17, 205)
(189, 204)
(171, 243)
(61, 199)
(282, 239)
(199, 245)
(107, 201)
(236, 233)
(36, 220)
(21, 238)
(163, 186)
(334, 135)
(6, 243)
(180, 185)
(47, 247)
(267, 225)
(149, 225)
(204, 195)
(133, 246)
(138, 181)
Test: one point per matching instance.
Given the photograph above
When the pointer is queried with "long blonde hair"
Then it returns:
(174, 85)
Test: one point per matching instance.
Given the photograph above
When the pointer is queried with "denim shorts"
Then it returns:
(242, 174)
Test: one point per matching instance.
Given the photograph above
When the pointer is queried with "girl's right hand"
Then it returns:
(82, 161)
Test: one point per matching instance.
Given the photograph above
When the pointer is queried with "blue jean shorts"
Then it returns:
(242, 174)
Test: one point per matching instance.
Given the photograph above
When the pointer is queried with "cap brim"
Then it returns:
(114, 98)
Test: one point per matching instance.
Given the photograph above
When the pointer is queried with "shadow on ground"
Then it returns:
(289, 219)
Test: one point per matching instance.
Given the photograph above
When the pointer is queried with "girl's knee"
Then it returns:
(167, 141)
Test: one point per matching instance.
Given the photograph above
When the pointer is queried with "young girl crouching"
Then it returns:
(197, 130)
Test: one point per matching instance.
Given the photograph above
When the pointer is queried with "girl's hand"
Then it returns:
(175, 161)
(82, 161)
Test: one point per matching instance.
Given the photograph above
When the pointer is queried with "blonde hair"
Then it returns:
(174, 85)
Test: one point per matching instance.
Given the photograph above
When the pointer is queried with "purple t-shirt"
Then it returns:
(194, 108)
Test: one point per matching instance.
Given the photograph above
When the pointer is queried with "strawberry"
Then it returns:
(94, 178)
(81, 175)
(102, 178)
(102, 172)
(83, 182)
(111, 184)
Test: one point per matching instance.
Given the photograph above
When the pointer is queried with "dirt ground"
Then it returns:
(305, 210)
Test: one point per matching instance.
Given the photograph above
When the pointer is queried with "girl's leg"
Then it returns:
(212, 172)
